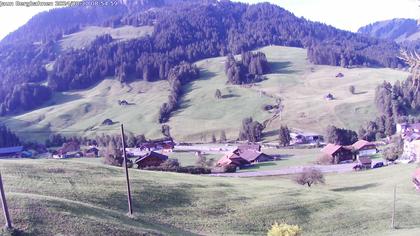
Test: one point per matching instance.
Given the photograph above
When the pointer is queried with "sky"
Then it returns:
(343, 14)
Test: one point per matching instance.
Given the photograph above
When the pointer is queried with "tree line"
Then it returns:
(249, 69)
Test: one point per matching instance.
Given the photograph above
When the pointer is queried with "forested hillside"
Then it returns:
(183, 31)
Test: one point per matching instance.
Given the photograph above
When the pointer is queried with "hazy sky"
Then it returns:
(343, 14)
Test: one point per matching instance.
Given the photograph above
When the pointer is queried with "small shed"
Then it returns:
(365, 162)
(151, 159)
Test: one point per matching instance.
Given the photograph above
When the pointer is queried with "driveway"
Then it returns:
(341, 168)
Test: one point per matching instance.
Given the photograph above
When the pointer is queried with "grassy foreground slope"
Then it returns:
(81, 197)
(300, 84)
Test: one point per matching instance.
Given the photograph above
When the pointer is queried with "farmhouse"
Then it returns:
(11, 151)
(338, 153)
(411, 147)
(150, 159)
(305, 138)
(244, 155)
(165, 144)
(253, 156)
(232, 159)
(364, 148)
(339, 75)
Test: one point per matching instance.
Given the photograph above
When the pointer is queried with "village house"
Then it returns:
(11, 151)
(338, 153)
(164, 144)
(150, 159)
(364, 148)
(305, 138)
(411, 147)
(244, 155)
(232, 159)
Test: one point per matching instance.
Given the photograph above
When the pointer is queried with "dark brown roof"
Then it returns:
(250, 155)
(152, 154)
(255, 147)
(365, 160)
(331, 149)
(361, 143)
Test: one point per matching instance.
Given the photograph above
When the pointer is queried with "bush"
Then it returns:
(310, 176)
(324, 159)
(224, 169)
(284, 230)
(187, 169)
(352, 89)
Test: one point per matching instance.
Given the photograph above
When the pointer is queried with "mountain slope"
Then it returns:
(300, 84)
(399, 30)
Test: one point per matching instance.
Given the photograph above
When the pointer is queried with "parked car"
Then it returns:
(378, 165)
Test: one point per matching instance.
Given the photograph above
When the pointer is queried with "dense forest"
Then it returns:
(249, 69)
(183, 31)
(7, 138)
(398, 102)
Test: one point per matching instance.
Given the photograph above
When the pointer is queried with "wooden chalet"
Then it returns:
(338, 153)
(364, 148)
(232, 159)
(150, 159)
(253, 156)
(165, 144)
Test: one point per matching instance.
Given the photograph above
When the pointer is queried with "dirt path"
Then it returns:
(291, 170)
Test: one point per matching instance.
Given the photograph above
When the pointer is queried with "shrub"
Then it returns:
(224, 169)
(310, 176)
(284, 230)
(352, 89)
(324, 159)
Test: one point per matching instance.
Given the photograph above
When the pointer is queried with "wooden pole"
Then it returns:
(393, 210)
(130, 209)
(4, 205)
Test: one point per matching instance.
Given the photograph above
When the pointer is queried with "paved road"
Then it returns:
(291, 170)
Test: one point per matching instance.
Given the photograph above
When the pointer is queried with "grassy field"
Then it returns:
(300, 84)
(86, 36)
(83, 197)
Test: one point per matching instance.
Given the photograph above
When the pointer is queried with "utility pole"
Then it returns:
(4, 205)
(130, 209)
(393, 210)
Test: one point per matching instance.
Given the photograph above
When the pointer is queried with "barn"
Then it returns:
(338, 153)
(150, 159)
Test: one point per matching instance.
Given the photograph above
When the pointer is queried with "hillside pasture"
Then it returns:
(300, 84)
(87, 35)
